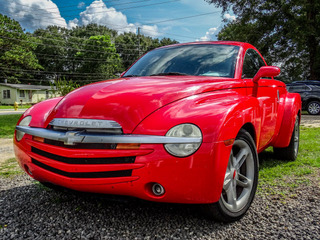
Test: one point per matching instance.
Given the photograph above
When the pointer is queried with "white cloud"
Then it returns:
(151, 31)
(229, 17)
(97, 12)
(210, 35)
(81, 4)
(33, 14)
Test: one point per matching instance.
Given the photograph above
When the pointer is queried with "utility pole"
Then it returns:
(139, 41)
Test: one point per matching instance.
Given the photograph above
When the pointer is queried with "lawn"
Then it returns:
(11, 107)
(271, 169)
(7, 125)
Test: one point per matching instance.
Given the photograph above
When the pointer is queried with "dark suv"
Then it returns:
(310, 94)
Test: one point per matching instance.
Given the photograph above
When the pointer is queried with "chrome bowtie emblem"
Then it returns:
(71, 138)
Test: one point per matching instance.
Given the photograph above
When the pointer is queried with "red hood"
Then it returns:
(129, 101)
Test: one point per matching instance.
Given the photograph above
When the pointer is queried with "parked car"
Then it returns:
(184, 124)
(310, 95)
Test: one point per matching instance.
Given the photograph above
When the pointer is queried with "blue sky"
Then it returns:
(154, 17)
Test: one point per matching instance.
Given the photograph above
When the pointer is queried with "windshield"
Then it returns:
(196, 60)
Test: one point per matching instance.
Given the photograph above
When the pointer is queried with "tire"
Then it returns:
(240, 181)
(290, 153)
(313, 107)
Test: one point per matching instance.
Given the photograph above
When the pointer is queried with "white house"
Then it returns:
(23, 93)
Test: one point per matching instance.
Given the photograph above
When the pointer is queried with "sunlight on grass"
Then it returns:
(10, 168)
(7, 125)
(277, 172)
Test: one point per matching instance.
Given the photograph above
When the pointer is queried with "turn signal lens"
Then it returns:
(38, 139)
(128, 146)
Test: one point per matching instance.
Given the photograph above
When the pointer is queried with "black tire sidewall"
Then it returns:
(233, 216)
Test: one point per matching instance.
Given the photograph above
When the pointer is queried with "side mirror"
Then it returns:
(266, 71)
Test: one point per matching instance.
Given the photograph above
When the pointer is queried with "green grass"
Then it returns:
(7, 125)
(11, 106)
(9, 168)
(291, 174)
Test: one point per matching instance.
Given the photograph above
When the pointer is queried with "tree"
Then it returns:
(71, 54)
(287, 33)
(62, 87)
(131, 46)
(99, 47)
(52, 51)
(18, 63)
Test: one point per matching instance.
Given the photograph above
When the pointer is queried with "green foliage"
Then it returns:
(85, 53)
(52, 50)
(287, 33)
(131, 46)
(62, 87)
(8, 124)
(99, 47)
(16, 56)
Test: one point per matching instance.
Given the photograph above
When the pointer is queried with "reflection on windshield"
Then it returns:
(196, 60)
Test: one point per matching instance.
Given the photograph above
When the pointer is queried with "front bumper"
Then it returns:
(193, 179)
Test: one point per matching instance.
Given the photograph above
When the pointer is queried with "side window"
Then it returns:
(251, 64)
(299, 88)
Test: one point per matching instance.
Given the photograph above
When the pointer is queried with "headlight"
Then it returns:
(24, 122)
(183, 130)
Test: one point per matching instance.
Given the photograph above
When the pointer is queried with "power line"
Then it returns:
(174, 19)
(49, 80)
(66, 40)
(160, 32)
(68, 48)
(43, 72)
(105, 11)
(62, 7)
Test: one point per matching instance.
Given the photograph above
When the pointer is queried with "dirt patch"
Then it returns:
(6, 149)
(310, 120)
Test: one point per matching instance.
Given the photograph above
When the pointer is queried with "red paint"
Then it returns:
(220, 107)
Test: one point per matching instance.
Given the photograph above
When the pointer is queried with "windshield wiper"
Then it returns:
(132, 75)
(169, 73)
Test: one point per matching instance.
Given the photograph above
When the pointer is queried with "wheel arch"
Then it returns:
(313, 99)
(292, 109)
(251, 130)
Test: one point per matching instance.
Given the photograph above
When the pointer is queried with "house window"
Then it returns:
(6, 94)
(22, 94)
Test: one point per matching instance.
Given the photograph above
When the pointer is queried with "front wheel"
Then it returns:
(240, 182)
(313, 108)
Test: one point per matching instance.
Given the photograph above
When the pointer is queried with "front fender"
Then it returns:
(220, 116)
(40, 112)
(292, 109)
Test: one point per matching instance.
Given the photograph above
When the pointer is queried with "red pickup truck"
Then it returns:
(184, 124)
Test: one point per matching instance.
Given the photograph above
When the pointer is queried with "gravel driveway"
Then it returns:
(29, 211)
